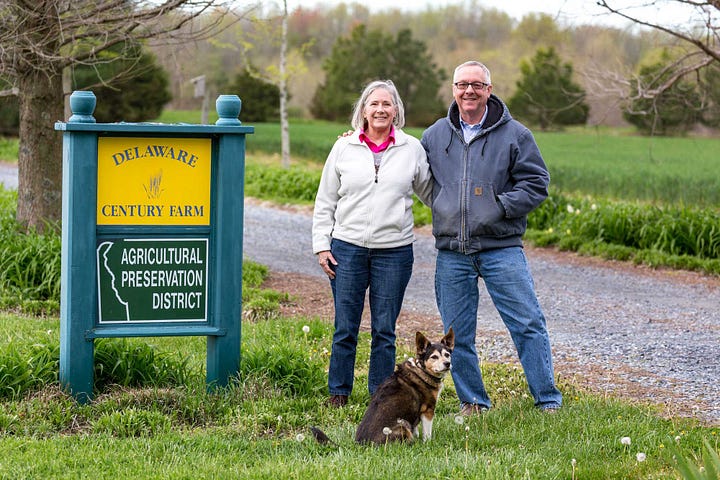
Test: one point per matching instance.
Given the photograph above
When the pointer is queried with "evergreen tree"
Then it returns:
(126, 90)
(546, 94)
(130, 87)
(365, 56)
(264, 98)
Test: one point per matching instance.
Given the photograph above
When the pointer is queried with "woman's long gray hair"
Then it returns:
(358, 121)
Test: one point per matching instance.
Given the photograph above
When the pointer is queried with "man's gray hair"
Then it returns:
(358, 121)
(473, 63)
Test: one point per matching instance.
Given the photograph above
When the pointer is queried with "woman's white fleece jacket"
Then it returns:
(352, 207)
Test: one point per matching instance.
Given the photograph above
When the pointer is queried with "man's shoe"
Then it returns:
(337, 401)
(470, 409)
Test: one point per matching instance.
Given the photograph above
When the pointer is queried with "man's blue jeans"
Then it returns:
(508, 281)
(386, 272)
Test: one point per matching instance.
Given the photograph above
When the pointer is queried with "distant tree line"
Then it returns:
(548, 93)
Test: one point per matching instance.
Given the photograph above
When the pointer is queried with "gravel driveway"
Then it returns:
(8, 175)
(622, 329)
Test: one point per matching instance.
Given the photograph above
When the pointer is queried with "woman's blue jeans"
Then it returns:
(386, 273)
(508, 281)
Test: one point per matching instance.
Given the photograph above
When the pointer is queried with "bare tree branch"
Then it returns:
(53, 34)
(11, 92)
(700, 37)
(704, 37)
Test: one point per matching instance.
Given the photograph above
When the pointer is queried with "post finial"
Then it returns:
(82, 106)
(228, 110)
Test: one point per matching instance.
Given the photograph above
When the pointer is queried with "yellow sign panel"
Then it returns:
(153, 181)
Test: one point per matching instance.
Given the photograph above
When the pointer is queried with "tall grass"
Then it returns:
(29, 263)
(679, 237)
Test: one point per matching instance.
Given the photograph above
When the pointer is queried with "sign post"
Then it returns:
(152, 232)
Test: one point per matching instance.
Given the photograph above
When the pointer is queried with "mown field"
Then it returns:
(602, 164)
(614, 195)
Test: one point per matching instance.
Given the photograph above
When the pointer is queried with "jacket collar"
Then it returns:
(400, 137)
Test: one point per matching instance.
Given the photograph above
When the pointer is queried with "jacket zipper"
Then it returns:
(463, 197)
(371, 214)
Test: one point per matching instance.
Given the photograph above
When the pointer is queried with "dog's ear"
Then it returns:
(421, 343)
(449, 339)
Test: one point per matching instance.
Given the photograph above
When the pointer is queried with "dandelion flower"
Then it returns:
(306, 329)
(625, 440)
(459, 419)
(573, 462)
(677, 438)
(593, 207)
(300, 437)
(640, 457)
(570, 208)
(387, 431)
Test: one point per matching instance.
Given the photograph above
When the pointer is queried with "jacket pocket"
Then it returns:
(446, 210)
(485, 215)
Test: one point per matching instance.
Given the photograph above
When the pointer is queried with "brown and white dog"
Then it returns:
(407, 398)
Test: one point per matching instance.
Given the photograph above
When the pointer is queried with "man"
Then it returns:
(488, 175)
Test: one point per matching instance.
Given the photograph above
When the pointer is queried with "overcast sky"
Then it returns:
(571, 12)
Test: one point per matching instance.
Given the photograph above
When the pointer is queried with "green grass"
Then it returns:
(582, 162)
(186, 116)
(258, 427)
(8, 150)
(661, 170)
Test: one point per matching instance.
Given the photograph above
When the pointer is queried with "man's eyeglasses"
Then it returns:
(477, 86)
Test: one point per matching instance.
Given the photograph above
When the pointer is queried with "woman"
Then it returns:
(363, 231)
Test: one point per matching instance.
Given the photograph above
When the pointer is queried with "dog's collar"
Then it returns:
(424, 376)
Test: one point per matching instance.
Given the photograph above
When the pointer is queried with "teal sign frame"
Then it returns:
(112, 273)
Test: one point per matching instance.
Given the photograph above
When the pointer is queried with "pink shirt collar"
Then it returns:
(383, 146)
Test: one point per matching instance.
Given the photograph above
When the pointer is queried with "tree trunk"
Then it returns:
(40, 151)
(284, 124)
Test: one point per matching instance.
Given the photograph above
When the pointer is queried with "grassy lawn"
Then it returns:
(258, 428)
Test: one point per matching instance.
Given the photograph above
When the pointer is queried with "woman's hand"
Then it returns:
(325, 259)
